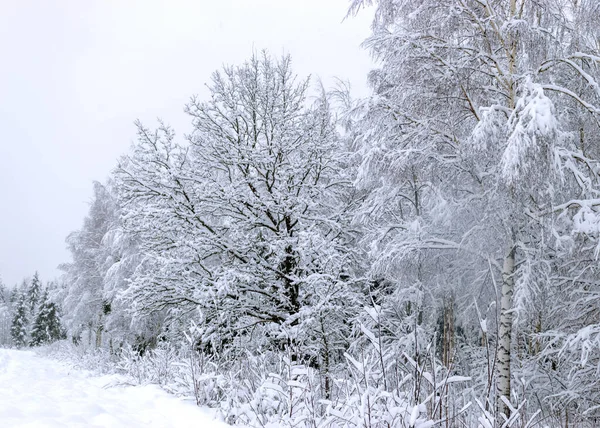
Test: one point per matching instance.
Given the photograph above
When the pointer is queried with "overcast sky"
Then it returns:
(76, 74)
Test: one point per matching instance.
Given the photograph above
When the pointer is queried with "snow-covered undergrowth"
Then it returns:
(270, 390)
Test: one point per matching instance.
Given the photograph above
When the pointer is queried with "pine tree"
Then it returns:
(18, 330)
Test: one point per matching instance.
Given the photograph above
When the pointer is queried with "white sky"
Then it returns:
(74, 75)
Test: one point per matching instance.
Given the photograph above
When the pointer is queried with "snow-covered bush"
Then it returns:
(99, 361)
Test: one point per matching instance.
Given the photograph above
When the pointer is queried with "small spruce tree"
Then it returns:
(46, 326)
(34, 293)
(18, 329)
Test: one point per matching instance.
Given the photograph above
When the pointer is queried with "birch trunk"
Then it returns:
(505, 332)
(99, 331)
(508, 270)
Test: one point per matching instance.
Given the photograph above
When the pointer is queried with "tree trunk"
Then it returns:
(326, 368)
(448, 333)
(505, 332)
(99, 331)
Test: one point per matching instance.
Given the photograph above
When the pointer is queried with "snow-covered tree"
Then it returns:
(46, 327)
(103, 257)
(5, 314)
(247, 219)
(477, 143)
(34, 293)
(4, 293)
(20, 322)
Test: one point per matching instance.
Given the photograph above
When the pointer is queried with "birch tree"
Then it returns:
(480, 114)
(103, 257)
(5, 314)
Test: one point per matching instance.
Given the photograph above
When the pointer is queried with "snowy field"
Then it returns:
(37, 392)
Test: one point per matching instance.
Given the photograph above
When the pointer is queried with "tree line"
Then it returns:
(435, 245)
(28, 315)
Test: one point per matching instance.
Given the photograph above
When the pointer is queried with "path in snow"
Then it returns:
(37, 392)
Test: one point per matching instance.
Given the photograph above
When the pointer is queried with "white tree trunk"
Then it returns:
(505, 332)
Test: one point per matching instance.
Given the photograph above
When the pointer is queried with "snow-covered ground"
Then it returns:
(37, 392)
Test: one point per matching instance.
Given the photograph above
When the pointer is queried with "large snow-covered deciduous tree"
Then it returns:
(479, 152)
(247, 219)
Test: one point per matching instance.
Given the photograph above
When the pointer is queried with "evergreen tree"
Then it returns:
(46, 327)
(17, 290)
(34, 292)
(18, 329)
